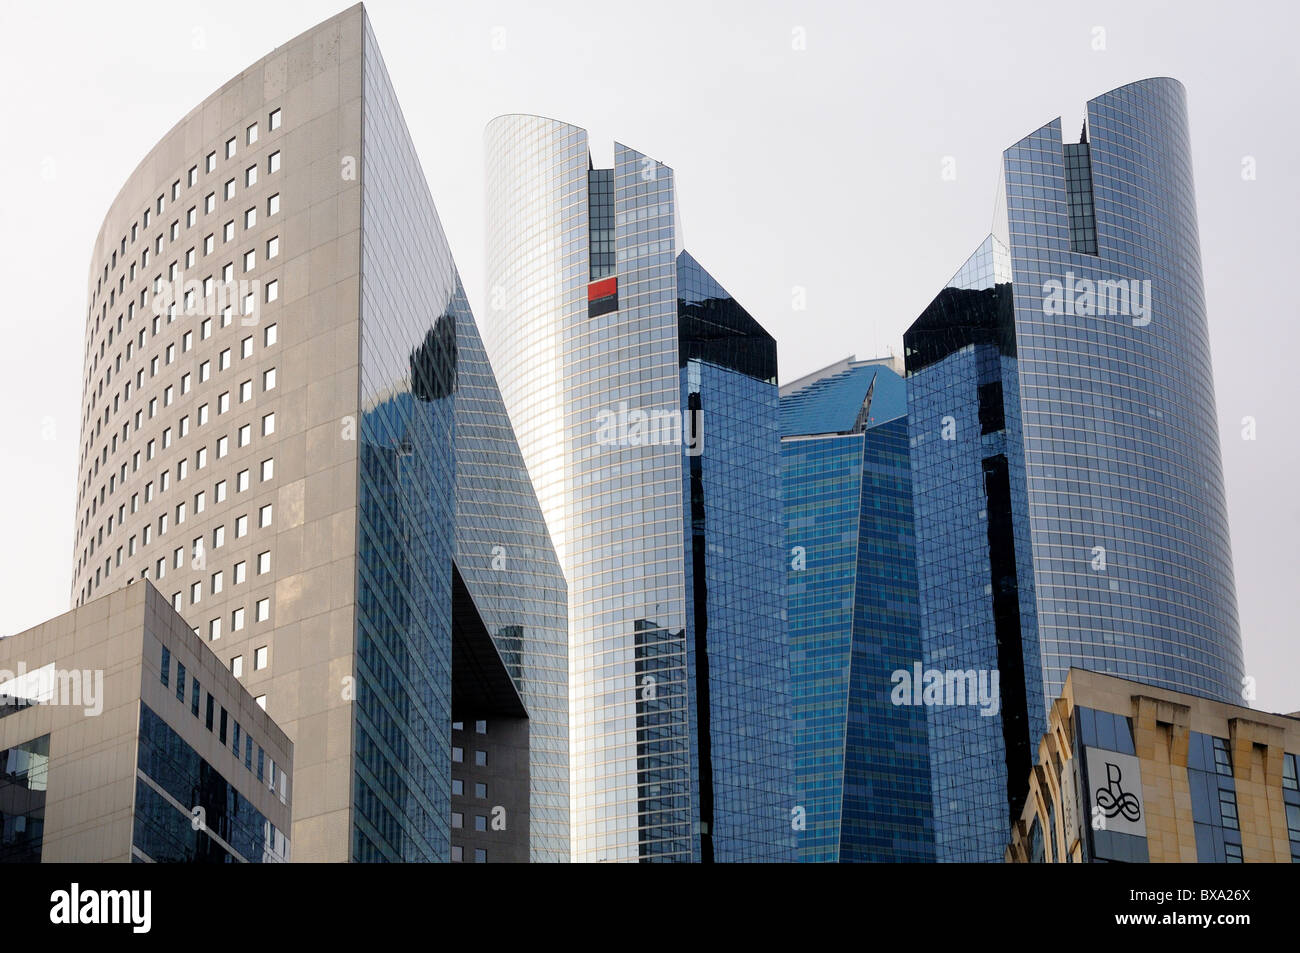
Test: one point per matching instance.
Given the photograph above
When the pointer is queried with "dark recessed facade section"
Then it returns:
(713, 327)
(490, 747)
(602, 297)
(958, 317)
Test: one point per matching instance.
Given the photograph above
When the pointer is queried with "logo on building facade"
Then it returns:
(1115, 792)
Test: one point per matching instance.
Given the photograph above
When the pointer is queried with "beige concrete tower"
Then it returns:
(221, 353)
(291, 429)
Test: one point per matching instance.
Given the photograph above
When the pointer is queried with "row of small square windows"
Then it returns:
(270, 336)
(244, 433)
(192, 178)
(191, 219)
(264, 517)
(277, 783)
(273, 205)
(243, 437)
(211, 290)
(269, 380)
(182, 468)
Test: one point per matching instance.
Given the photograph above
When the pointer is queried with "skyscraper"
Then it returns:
(645, 402)
(862, 773)
(291, 429)
(1068, 488)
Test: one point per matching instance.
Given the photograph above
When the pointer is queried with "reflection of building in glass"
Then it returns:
(1135, 773)
(667, 525)
(861, 766)
(308, 470)
(1068, 489)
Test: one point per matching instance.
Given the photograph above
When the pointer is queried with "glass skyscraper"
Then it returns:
(290, 427)
(1068, 488)
(645, 402)
(862, 774)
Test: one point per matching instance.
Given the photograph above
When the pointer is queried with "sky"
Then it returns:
(809, 141)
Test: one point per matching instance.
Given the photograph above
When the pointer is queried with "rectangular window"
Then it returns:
(273, 162)
(273, 121)
(211, 712)
(194, 698)
(166, 665)
(230, 147)
(237, 666)
(180, 681)
(273, 204)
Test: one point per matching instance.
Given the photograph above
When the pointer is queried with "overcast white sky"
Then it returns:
(816, 168)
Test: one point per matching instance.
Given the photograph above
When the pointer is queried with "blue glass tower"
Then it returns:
(1068, 486)
(862, 775)
(737, 655)
(443, 497)
(645, 403)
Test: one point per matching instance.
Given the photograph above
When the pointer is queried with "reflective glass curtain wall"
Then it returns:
(861, 764)
(583, 332)
(1067, 477)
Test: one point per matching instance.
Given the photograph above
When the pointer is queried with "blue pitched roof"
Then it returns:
(832, 404)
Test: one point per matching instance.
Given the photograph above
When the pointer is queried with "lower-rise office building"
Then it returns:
(1134, 773)
(862, 771)
(124, 738)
